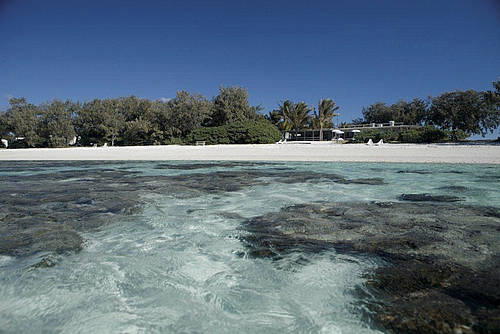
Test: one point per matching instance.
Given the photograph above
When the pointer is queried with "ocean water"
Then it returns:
(163, 249)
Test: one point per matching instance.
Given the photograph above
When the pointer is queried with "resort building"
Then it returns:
(314, 135)
(347, 132)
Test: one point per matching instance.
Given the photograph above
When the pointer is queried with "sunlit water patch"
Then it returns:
(179, 264)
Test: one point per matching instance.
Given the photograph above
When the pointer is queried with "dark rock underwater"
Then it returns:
(443, 261)
(45, 211)
(442, 257)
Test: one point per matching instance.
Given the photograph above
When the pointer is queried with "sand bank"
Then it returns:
(433, 153)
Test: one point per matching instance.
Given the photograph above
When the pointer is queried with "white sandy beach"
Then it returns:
(413, 153)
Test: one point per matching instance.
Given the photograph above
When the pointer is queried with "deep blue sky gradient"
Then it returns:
(355, 51)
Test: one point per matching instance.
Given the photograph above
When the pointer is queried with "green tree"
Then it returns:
(284, 113)
(378, 113)
(325, 114)
(22, 121)
(114, 121)
(141, 121)
(56, 123)
(138, 114)
(162, 122)
(140, 132)
(469, 111)
(231, 105)
(100, 121)
(418, 110)
(276, 117)
(132, 107)
(4, 127)
(492, 102)
(188, 112)
(295, 116)
(355, 121)
(413, 112)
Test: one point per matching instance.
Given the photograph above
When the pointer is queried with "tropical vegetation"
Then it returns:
(461, 113)
(324, 117)
(129, 120)
(424, 134)
(242, 132)
(229, 118)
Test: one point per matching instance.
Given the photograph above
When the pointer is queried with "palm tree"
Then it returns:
(276, 117)
(294, 115)
(326, 112)
(285, 112)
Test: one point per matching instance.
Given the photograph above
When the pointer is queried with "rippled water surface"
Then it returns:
(163, 251)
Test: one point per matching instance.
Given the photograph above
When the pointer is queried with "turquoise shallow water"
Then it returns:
(178, 264)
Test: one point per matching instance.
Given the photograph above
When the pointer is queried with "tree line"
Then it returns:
(461, 113)
(123, 121)
(470, 112)
(135, 121)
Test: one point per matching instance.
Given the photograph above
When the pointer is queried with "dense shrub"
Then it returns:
(248, 132)
(253, 132)
(18, 144)
(376, 135)
(173, 141)
(459, 135)
(427, 134)
(138, 132)
(211, 135)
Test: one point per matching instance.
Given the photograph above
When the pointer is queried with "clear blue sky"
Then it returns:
(355, 51)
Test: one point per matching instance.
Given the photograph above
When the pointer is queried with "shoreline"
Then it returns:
(321, 152)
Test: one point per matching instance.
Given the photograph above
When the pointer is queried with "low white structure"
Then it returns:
(337, 134)
(5, 143)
